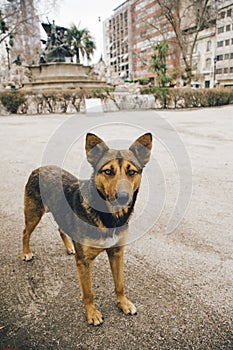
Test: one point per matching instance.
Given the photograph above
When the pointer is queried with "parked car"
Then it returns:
(195, 85)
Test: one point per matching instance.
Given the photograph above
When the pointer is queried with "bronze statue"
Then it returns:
(57, 49)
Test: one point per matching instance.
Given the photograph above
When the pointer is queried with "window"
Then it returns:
(226, 70)
(207, 84)
(208, 47)
(220, 30)
(219, 71)
(226, 56)
(231, 41)
(231, 69)
(229, 12)
(227, 42)
(208, 63)
(220, 44)
(222, 14)
(228, 28)
(231, 55)
(219, 57)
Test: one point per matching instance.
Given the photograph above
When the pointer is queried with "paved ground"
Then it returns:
(181, 283)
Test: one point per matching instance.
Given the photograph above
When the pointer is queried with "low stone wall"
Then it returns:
(41, 103)
(121, 101)
(46, 103)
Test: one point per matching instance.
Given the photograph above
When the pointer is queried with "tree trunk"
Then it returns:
(188, 71)
(77, 56)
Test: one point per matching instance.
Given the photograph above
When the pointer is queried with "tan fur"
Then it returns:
(109, 186)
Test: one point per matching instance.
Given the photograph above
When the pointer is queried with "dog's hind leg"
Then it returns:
(33, 211)
(68, 243)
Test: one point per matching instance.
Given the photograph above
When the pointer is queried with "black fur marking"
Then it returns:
(109, 219)
(120, 159)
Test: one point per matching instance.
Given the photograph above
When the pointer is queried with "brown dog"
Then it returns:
(94, 213)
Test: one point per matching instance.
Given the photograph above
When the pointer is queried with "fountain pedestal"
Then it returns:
(61, 75)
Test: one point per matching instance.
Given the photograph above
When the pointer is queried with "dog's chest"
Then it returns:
(109, 239)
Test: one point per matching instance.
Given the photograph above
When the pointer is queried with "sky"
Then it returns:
(85, 13)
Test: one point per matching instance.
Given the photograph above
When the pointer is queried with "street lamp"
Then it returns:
(215, 61)
(8, 56)
(100, 37)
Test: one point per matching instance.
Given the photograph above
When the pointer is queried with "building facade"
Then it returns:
(129, 36)
(204, 58)
(137, 25)
(117, 42)
(148, 29)
(224, 45)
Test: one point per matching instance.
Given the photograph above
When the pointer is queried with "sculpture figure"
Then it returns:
(57, 49)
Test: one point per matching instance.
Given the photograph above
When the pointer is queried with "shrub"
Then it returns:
(161, 94)
(12, 100)
(190, 98)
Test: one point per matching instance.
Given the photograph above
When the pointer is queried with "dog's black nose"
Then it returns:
(122, 197)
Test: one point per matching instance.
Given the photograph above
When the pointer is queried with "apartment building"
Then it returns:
(204, 58)
(224, 45)
(129, 36)
(117, 41)
(204, 50)
(149, 28)
(137, 25)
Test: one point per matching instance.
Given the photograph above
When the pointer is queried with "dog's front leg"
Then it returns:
(116, 260)
(84, 261)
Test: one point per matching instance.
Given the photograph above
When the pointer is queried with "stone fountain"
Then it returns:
(56, 69)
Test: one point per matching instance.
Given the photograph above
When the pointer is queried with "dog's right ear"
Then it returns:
(95, 148)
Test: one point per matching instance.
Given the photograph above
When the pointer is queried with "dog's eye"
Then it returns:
(132, 172)
(108, 172)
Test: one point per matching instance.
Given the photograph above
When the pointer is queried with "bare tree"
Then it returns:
(47, 7)
(9, 22)
(19, 26)
(187, 19)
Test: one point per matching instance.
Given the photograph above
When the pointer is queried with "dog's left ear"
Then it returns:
(95, 148)
(142, 148)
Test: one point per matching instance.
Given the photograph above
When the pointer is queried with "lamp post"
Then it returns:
(215, 61)
(8, 56)
(100, 37)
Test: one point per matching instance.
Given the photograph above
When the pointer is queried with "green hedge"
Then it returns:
(12, 100)
(18, 101)
(190, 98)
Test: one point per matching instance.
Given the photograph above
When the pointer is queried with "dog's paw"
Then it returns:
(27, 256)
(93, 315)
(126, 306)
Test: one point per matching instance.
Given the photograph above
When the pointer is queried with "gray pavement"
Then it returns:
(181, 282)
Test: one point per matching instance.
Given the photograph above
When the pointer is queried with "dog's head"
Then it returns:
(117, 173)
